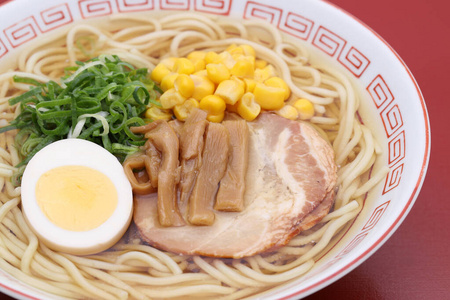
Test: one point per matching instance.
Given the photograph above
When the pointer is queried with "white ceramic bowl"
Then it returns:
(394, 98)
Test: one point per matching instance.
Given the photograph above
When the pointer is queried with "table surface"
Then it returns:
(415, 262)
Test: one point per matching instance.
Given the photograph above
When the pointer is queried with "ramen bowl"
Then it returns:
(393, 108)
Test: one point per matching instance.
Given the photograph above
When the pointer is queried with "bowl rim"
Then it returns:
(347, 267)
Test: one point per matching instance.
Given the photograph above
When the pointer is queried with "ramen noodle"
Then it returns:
(131, 268)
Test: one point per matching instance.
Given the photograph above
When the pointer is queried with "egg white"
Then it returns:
(82, 153)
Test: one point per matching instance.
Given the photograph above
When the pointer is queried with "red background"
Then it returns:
(415, 262)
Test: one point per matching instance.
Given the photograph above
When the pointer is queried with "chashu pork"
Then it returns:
(290, 186)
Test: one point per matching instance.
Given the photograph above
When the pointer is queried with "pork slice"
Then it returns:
(191, 147)
(163, 139)
(291, 172)
(230, 196)
(214, 164)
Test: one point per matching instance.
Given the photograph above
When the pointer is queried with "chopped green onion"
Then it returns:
(98, 100)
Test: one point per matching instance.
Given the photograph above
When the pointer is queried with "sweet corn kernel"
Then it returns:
(169, 62)
(155, 113)
(260, 64)
(265, 73)
(280, 83)
(212, 57)
(182, 111)
(231, 47)
(247, 107)
(235, 49)
(305, 109)
(183, 66)
(201, 73)
(203, 87)
(170, 98)
(249, 85)
(159, 72)
(195, 55)
(232, 108)
(270, 98)
(237, 56)
(213, 105)
(239, 81)
(198, 59)
(184, 85)
(216, 118)
(248, 50)
(226, 59)
(230, 91)
(248, 58)
(288, 112)
(243, 68)
(168, 81)
(217, 72)
(199, 65)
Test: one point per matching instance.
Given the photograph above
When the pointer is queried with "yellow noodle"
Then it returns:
(76, 274)
(374, 180)
(10, 224)
(162, 281)
(189, 290)
(141, 259)
(97, 264)
(11, 74)
(48, 53)
(163, 257)
(285, 276)
(217, 274)
(341, 211)
(136, 30)
(233, 273)
(34, 281)
(274, 268)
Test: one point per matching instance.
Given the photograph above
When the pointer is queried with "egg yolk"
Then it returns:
(76, 198)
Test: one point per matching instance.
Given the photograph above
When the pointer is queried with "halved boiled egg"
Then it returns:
(76, 197)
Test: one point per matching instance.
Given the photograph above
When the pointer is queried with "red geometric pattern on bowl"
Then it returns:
(301, 27)
(328, 41)
(393, 178)
(255, 10)
(396, 148)
(354, 61)
(380, 92)
(55, 17)
(218, 7)
(392, 119)
(94, 8)
(134, 5)
(174, 4)
(376, 216)
(297, 25)
(353, 243)
(22, 31)
(3, 49)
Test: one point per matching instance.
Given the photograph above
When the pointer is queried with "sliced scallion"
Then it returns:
(98, 100)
